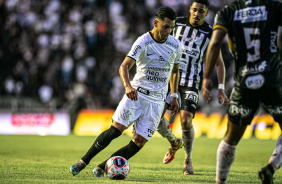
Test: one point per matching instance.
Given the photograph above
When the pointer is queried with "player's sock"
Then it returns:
(166, 131)
(127, 152)
(102, 141)
(225, 157)
(188, 141)
(276, 158)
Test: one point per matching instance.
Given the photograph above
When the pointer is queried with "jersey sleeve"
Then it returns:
(223, 19)
(136, 49)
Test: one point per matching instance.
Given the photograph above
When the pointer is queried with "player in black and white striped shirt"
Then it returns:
(194, 33)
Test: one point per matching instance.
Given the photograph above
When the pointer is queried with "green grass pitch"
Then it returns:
(46, 159)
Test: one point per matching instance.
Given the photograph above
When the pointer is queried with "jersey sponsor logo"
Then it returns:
(273, 37)
(182, 66)
(135, 51)
(154, 78)
(153, 74)
(251, 14)
(171, 44)
(257, 68)
(193, 53)
(191, 96)
(144, 91)
(188, 39)
(149, 42)
(159, 69)
(277, 110)
(254, 82)
(241, 110)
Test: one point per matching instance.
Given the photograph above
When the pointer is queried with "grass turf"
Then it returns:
(37, 159)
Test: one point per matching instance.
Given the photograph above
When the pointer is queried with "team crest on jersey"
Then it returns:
(171, 56)
(251, 14)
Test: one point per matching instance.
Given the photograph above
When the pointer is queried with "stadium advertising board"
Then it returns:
(35, 123)
(93, 122)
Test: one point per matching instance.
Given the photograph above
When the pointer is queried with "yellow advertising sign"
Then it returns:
(93, 122)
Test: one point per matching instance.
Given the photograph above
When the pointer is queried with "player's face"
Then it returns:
(198, 13)
(163, 28)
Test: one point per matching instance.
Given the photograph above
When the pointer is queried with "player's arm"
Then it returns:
(220, 69)
(213, 56)
(173, 81)
(124, 75)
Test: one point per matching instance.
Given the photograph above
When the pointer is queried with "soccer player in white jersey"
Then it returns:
(156, 55)
(194, 33)
(252, 26)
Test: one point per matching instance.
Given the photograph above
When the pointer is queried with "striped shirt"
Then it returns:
(195, 41)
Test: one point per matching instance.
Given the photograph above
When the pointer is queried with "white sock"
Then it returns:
(225, 157)
(276, 157)
(166, 131)
(188, 141)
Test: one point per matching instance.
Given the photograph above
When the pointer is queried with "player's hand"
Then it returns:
(131, 93)
(174, 106)
(222, 98)
(206, 89)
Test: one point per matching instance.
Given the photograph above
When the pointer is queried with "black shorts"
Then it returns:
(244, 104)
(189, 99)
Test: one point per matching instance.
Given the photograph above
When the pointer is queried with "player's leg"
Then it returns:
(266, 173)
(243, 106)
(226, 151)
(121, 120)
(127, 152)
(189, 101)
(101, 142)
(274, 106)
(188, 140)
(146, 120)
(166, 132)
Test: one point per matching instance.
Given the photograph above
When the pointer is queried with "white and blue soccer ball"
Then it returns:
(117, 168)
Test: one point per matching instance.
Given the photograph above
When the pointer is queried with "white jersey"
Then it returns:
(154, 63)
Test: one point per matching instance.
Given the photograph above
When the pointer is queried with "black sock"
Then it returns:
(102, 141)
(127, 152)
(270, 168)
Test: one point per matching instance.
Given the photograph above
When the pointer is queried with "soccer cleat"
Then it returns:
(188, 168)
(169, 156)
(77, 167)
(98, 172)
(265, 175)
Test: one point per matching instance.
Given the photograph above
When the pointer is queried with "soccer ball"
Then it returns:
(117, 168)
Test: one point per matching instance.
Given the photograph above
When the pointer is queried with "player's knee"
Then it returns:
(119, 126)
(186, 123)
(139, 141)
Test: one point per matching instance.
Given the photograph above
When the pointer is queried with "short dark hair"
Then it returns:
(205, 2)
(166, 12)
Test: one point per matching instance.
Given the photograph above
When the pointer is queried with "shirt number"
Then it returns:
(252, 44)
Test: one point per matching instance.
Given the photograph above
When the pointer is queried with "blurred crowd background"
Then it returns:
(65, 54)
